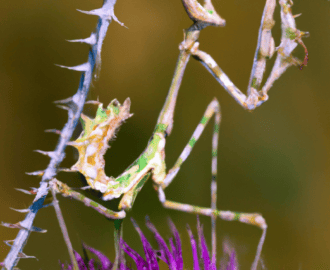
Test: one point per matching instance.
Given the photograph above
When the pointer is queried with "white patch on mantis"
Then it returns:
(198, 131)
(101, 187)
(210, 61)
(227, 215)
(97, 132)
(91, 172)
(214, 165)
(227, 82)
(186, 152)
(91, 149)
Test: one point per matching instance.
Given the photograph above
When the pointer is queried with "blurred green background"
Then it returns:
(274, 160)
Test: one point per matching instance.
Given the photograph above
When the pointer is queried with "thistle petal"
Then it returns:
(166, 254)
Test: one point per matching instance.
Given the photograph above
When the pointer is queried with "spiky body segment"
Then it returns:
(93, 141)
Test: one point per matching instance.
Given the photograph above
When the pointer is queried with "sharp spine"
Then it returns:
(90, 40)
(37, 229)
(21, 255)
(9, 242)
(37, 173)
(50, 154)
(83, 67)
(56, 131)
(297, 15)
(64, 169)
(64, 101)
(13, 225)
(29, 192)
(47, 205)
(63, 107)
(98, 12)
(21, 210)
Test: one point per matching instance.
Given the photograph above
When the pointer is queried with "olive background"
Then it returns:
(274, 160)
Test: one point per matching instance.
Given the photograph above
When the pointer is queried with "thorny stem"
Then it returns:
(106, 14)
(64, 230)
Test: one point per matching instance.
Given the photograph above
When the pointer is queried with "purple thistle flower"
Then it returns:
(171, 255)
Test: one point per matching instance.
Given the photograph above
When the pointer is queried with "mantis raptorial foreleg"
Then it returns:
(291, 37)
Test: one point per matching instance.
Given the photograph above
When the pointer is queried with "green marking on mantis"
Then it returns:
(115, 110)
(237, 216)
(290, 33)
(254, 83)
(124, 180)
(142, 162)
(192, 142)
(216, 128)
(204, 120)
(101, 115)
(161, 128)
(95, 204)
(210, 11)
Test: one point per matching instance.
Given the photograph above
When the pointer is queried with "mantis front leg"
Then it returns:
(66, 191)
(291, 37)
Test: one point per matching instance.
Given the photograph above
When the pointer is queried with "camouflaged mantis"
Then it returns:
(93, 141)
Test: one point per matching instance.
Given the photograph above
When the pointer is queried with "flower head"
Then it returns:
(170, 253)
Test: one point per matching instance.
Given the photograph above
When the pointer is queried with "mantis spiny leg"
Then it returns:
(213, 108)
(253, 219)
(66, 191)
(249, 218)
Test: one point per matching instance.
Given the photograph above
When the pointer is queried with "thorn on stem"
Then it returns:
(36, 173)
(83, 67)
(21, 210)
(50, 154)
(29, 192)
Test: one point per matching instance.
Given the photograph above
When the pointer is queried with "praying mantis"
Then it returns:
(93, 141)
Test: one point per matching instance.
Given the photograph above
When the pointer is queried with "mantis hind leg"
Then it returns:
(253, 219)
